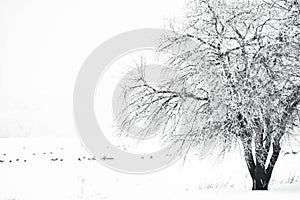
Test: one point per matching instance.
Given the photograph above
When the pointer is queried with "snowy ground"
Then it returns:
(62, 169)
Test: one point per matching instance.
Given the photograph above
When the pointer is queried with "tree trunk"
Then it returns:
(260, 179)
(259, 173)
(260, 184)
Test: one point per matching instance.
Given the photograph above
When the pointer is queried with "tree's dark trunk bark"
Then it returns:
(260, 175)
(261, 178)
(260, 184)
(259, 171)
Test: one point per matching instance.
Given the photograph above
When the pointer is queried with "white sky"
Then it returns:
(42, 47)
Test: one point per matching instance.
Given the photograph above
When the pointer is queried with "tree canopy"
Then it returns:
(240, 83)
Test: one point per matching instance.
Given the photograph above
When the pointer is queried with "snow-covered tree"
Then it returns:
(240, 83)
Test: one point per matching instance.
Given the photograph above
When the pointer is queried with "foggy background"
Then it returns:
(42, 47)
